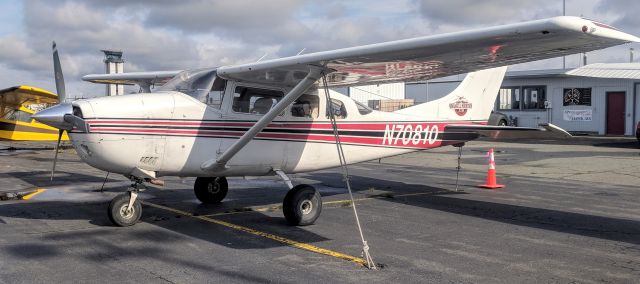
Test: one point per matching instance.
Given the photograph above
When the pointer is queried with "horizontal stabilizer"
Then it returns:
(544, 131)
(133, 78)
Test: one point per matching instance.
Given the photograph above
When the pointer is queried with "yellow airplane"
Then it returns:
(17, 104)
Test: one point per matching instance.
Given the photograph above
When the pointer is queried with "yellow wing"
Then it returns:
(16, 106)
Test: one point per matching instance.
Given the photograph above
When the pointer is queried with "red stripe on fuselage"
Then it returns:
(414, 135)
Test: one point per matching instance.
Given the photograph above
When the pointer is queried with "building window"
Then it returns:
(509, 98)
(534, 97)
(576, 96)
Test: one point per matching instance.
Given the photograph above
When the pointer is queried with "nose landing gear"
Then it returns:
(125, 209)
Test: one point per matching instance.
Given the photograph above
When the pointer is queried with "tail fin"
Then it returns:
(472, 100)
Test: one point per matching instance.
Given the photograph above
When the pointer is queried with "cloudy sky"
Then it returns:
(180, 34)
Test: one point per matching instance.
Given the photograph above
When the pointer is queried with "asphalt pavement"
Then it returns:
(570, 212)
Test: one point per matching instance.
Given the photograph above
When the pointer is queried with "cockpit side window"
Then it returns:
(255, 100)
(215, 96)
(338, 108)
(18, 115)
(363, 109)
(306, 106)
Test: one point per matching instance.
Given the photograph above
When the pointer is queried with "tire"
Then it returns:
(302, 205)
(502, 122)
(117, 211)
(211, 190)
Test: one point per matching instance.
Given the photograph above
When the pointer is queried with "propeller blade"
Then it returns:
(55, 158)
(57, 73)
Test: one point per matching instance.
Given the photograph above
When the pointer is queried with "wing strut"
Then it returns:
(219, 163)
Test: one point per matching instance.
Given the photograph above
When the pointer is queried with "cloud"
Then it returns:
(169, 35)
(469, 13)
(625, 14)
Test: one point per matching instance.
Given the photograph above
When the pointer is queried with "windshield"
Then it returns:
(363, 109)
(195, 83)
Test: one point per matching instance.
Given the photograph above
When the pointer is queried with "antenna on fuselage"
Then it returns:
(301, 51)
(265, 55)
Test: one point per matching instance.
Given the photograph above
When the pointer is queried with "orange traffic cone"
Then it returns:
(491, 174)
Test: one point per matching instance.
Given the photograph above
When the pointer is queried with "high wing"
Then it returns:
(545, 131)
(17, 96)
(430, 57)
(143, 79)
(421, 58)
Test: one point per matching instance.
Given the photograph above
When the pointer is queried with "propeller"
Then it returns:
(57, 73)
(63, 115)
(62, 94)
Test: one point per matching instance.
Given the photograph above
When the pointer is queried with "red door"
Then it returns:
(615, 113)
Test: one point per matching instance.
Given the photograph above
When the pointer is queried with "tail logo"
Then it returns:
(461, 106)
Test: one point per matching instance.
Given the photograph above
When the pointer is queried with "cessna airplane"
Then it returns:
(275, 117)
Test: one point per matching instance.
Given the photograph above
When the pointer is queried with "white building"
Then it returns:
(363, 94)
(603, 100)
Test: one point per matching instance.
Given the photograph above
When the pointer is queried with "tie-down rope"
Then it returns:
(345, 172)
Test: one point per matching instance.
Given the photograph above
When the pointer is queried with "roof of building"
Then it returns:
(596, 70)
(608, 70)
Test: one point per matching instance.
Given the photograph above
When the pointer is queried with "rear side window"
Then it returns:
(338, 108)
(306, 106)
(255, 100)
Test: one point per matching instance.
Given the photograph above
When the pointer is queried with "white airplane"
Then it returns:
(274, 117)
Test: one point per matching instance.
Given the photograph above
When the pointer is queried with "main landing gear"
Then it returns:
(301, 206)
(125, 209)
(211, 190)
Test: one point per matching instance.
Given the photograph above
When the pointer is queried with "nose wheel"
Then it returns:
(302, 205)
(125, 209)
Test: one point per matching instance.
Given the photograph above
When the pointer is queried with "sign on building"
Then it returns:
(578, 114)
(576, 96)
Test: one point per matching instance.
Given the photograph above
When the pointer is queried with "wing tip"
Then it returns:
(592, 27)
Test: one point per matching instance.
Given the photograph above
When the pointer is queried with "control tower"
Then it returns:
(113, 65)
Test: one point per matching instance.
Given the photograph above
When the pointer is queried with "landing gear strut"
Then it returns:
(125, 209)
(302, 205)
(211, 190)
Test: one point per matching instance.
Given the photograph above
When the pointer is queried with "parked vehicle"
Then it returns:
(499, 119)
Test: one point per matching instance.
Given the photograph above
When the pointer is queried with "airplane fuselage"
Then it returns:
(173, 134)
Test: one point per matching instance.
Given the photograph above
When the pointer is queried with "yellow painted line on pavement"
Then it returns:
(31, 195)
(275, 207)
(289, 242)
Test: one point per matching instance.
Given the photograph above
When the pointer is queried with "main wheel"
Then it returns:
(120, 214)
(210, 190)
(302, 205)
(502, 122)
